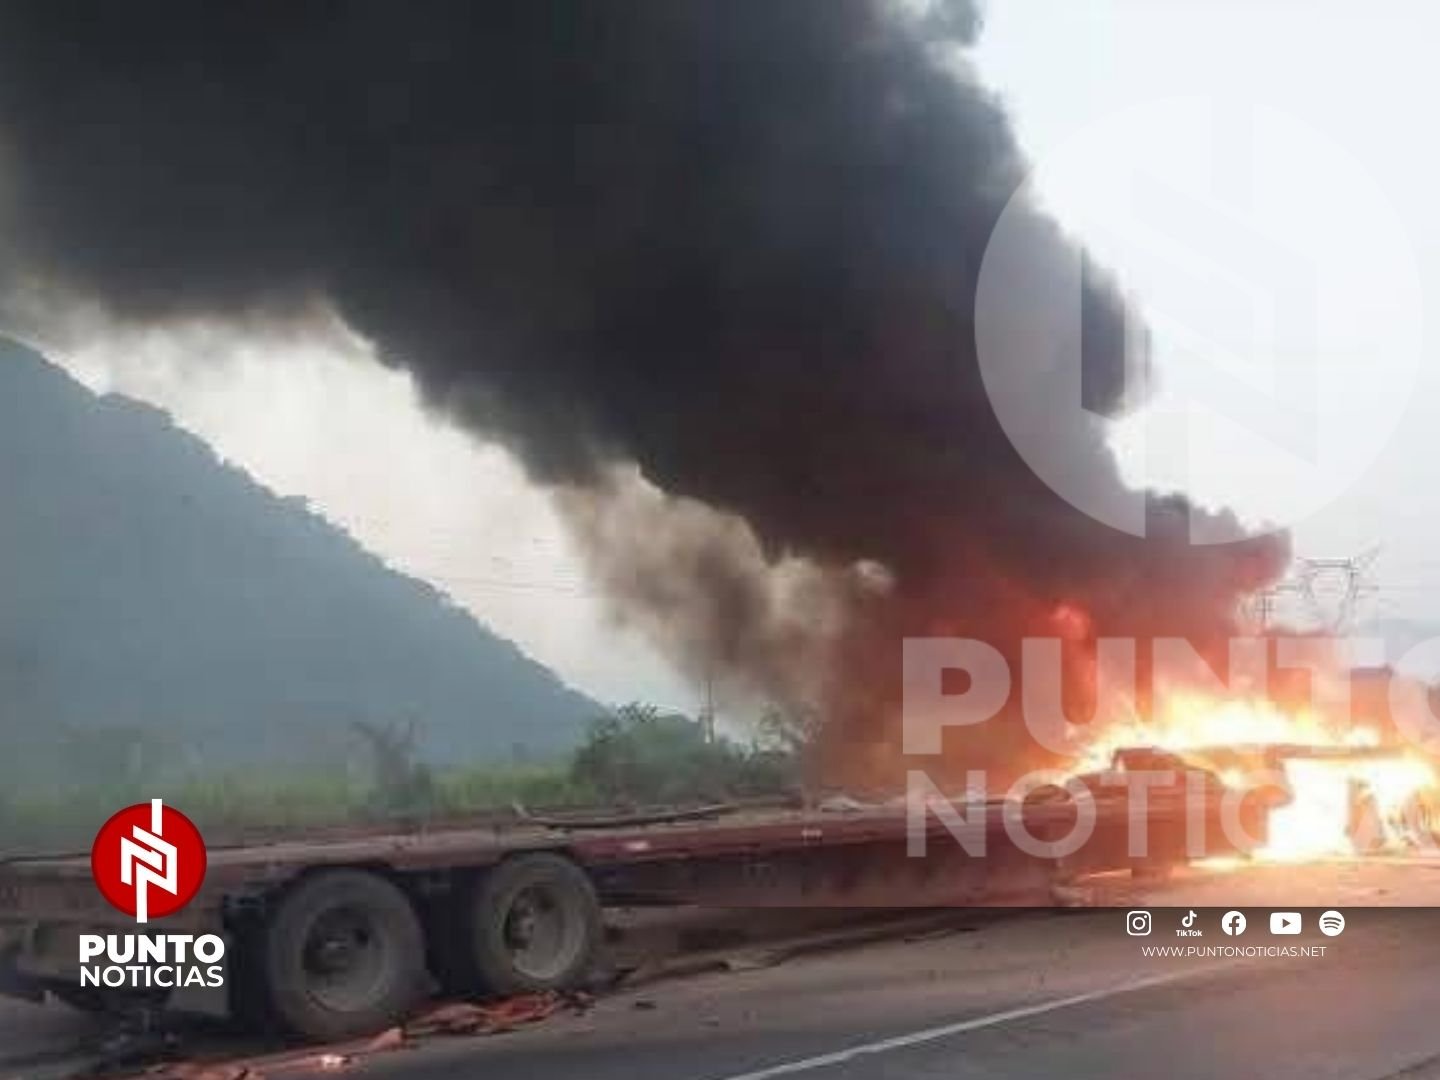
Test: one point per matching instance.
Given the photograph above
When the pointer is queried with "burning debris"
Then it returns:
(1352, 800)
(717, 258)
(1336, 788)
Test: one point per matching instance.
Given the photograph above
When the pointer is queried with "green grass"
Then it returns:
(234, 804)
(636, 756)
(534, 785)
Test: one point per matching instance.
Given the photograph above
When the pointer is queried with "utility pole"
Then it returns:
(707, 710)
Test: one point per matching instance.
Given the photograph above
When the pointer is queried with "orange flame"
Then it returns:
(1335, 805)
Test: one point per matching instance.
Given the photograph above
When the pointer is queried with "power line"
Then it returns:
(556, 588)
(1329, 590)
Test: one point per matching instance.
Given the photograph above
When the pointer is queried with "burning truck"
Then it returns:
(714, 274)
(334, 934)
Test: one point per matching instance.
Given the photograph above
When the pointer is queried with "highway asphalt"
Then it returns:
(1035, 994)
(1042, 996)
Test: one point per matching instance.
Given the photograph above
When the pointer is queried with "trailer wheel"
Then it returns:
(343, 954)
(534, 924)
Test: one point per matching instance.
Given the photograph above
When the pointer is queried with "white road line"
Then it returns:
(916, 1038)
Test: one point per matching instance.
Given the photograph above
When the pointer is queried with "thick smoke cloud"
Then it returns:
(734, 243)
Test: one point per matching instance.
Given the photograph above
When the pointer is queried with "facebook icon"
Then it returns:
(1233, 923)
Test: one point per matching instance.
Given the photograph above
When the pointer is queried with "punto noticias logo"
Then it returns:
(148, 860)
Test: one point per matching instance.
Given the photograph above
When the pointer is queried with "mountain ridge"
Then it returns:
(146, 585)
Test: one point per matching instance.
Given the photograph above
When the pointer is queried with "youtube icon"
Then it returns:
(1284, 922)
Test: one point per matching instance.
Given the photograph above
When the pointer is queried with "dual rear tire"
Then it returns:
(532, 923)
(344, 953)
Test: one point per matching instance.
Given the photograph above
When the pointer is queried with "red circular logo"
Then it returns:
(148, 860)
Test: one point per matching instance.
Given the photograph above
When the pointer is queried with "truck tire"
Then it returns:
(533, 924)
(342, 954)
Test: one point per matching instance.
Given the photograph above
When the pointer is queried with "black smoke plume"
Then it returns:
(732, 242)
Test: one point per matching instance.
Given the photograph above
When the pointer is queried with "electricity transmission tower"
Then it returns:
(1327, 592)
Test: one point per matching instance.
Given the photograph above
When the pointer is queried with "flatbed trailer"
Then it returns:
(335, 935)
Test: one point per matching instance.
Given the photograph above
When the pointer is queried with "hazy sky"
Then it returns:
(1229, 157)
(323, 420)
(1262, 177)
